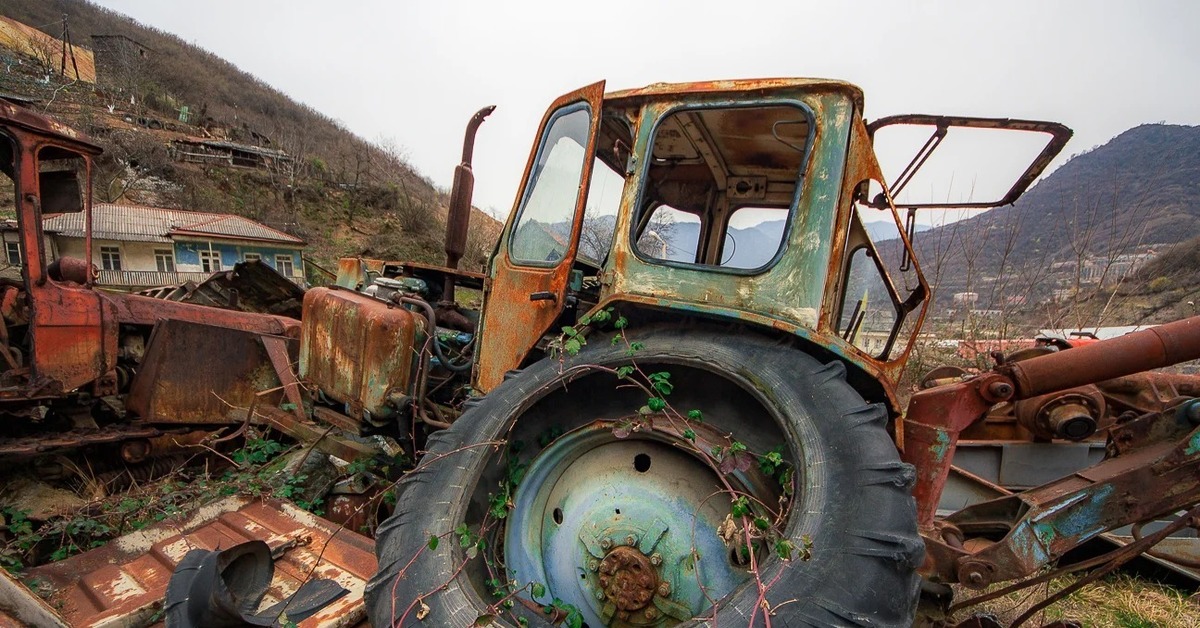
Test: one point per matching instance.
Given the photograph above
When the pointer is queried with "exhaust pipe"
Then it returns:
(459, 217)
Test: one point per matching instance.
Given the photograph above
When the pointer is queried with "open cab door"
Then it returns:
(529, 273)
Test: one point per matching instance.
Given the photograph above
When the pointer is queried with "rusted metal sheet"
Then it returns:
(322, 437)
(196, 373)
(124, 582)
(631, 97)
(32, 121)
(142, 310)
(358, 350)
(19, 607)
(248, 287)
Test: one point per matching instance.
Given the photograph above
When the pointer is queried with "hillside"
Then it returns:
(342, 194)
(1075, 234)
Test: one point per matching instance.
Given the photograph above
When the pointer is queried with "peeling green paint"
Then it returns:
(1193, 446)
(941, 447)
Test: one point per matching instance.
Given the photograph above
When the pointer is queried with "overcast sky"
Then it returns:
(414, 72)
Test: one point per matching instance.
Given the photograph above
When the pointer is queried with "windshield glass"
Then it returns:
(547, 212)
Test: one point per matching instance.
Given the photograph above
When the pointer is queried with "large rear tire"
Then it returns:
(852, 495)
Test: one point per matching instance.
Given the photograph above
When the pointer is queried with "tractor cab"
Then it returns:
(755, 201)
(737, 201)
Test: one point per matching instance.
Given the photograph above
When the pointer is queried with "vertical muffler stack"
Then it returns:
(459, 216)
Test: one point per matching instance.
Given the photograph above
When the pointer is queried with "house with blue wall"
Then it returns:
(136, 247)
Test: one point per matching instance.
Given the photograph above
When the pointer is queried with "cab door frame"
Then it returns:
(522, 300)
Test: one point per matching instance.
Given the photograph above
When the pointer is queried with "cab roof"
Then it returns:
(739, 86)
(22, 117)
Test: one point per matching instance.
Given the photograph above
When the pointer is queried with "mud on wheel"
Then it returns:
(606, 524)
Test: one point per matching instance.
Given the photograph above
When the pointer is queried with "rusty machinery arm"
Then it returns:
(1153, 471)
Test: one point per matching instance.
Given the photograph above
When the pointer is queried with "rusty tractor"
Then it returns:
(681, 390)
(678, 401)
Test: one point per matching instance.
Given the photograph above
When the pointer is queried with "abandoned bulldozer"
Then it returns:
(94, 379)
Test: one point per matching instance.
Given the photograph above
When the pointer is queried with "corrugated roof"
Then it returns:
(135, 223)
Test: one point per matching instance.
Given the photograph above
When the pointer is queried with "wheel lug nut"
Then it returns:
(593, 565)
(630, 540)
(664, 589)
(599, 594)
(605, 543)
(656, 559)
(651, 613)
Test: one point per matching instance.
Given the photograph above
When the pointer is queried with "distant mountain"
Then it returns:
(1139, 189)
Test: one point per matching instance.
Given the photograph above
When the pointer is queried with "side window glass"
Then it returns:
(753, 236)
(600, 215)
(671, 234)
(546, 216)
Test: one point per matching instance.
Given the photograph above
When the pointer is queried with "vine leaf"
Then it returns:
(433, 542)
(735, 460)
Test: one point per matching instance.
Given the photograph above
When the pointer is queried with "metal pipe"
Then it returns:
(458, 218)
(437, 349)
(1139, 351)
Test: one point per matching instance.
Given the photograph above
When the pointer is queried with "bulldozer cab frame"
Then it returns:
(51, 169)
(63, 336)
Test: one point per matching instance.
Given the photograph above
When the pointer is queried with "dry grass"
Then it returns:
(1115, 602)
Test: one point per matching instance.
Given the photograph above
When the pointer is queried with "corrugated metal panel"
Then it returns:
(123, 582)
(134, 223)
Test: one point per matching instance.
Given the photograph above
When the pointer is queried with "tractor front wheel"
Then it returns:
(767, 486)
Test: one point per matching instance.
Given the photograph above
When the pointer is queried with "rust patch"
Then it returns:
(123, 582)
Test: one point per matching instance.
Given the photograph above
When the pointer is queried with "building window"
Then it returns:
(252, 257)
(210, 261)
(12, 251)
(283, 264)
(110, 257)
(164, 259)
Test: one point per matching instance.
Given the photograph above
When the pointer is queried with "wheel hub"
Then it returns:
(628, 578)
(624, 529)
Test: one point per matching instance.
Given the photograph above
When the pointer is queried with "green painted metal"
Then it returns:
(590, 498)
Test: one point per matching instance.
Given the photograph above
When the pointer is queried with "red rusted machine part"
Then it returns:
(1151, 348)
(937, 416)
(458, 219)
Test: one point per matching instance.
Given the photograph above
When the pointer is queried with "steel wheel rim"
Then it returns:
(614, 525)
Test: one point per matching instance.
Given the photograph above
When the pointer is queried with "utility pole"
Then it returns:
(67, 49)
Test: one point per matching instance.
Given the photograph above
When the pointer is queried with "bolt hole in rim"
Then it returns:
(641, 463)
(620, 543)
